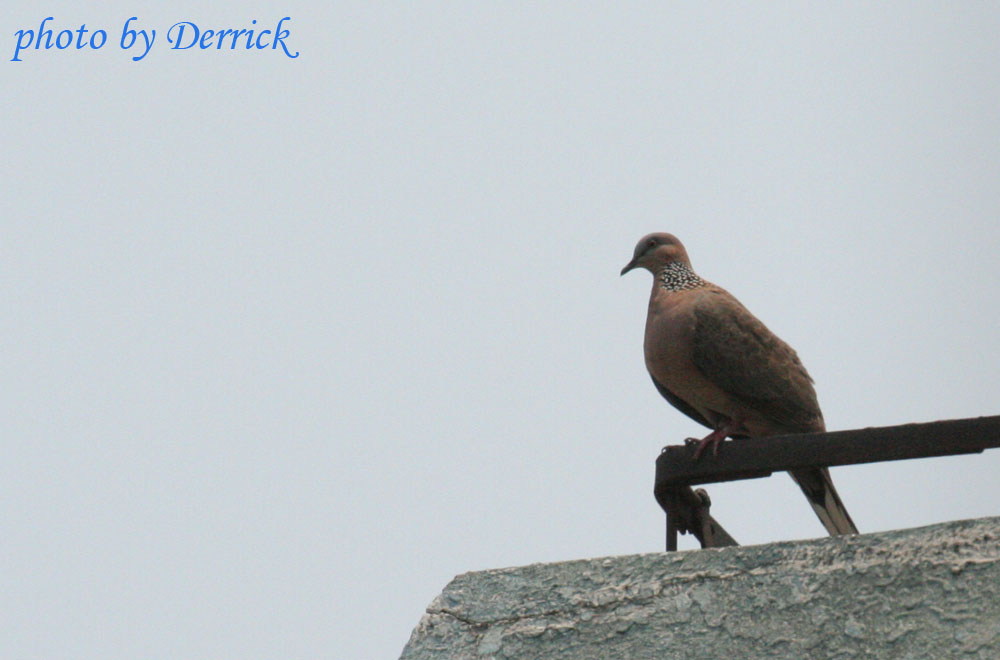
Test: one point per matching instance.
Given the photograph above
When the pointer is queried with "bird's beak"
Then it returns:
(629, 266)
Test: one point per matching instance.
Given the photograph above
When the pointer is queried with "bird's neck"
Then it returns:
(678, 276)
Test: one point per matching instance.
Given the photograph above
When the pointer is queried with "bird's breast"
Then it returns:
(668, 349)
(667, 344)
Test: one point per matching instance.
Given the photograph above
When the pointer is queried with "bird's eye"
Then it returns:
(651, 243)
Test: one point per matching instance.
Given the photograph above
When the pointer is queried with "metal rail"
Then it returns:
(752, 458)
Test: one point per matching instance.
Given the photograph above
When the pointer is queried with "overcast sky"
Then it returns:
(289, 343)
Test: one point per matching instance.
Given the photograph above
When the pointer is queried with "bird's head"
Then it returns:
(655, 251)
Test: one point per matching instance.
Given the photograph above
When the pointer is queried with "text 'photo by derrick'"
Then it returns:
(182, 35)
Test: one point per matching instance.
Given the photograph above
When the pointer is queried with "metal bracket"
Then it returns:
(751, 458)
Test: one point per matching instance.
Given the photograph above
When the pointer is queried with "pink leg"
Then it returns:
(715, 438)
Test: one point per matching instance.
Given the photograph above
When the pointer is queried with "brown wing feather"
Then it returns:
(746, 360)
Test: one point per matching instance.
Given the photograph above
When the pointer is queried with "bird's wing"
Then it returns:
(737, 353)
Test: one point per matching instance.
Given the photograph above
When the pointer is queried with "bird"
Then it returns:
(721, 366)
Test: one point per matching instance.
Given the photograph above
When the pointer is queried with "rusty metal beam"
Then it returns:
(687, 510)
(750, 458)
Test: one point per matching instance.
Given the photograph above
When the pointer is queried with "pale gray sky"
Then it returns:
(287, 344)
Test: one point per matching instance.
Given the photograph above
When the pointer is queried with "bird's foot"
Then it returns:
(713, 440)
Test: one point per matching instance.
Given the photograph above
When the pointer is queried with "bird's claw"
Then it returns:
(712, 439)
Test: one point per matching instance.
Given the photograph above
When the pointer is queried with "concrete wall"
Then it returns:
(931, 592)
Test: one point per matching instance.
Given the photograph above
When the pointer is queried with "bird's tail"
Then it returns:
(819, 490)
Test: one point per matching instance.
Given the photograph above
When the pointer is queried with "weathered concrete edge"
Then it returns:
(477, 600)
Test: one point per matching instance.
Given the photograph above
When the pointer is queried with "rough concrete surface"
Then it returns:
(926, 593)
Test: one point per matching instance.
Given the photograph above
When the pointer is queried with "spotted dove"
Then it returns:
(718, 364)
